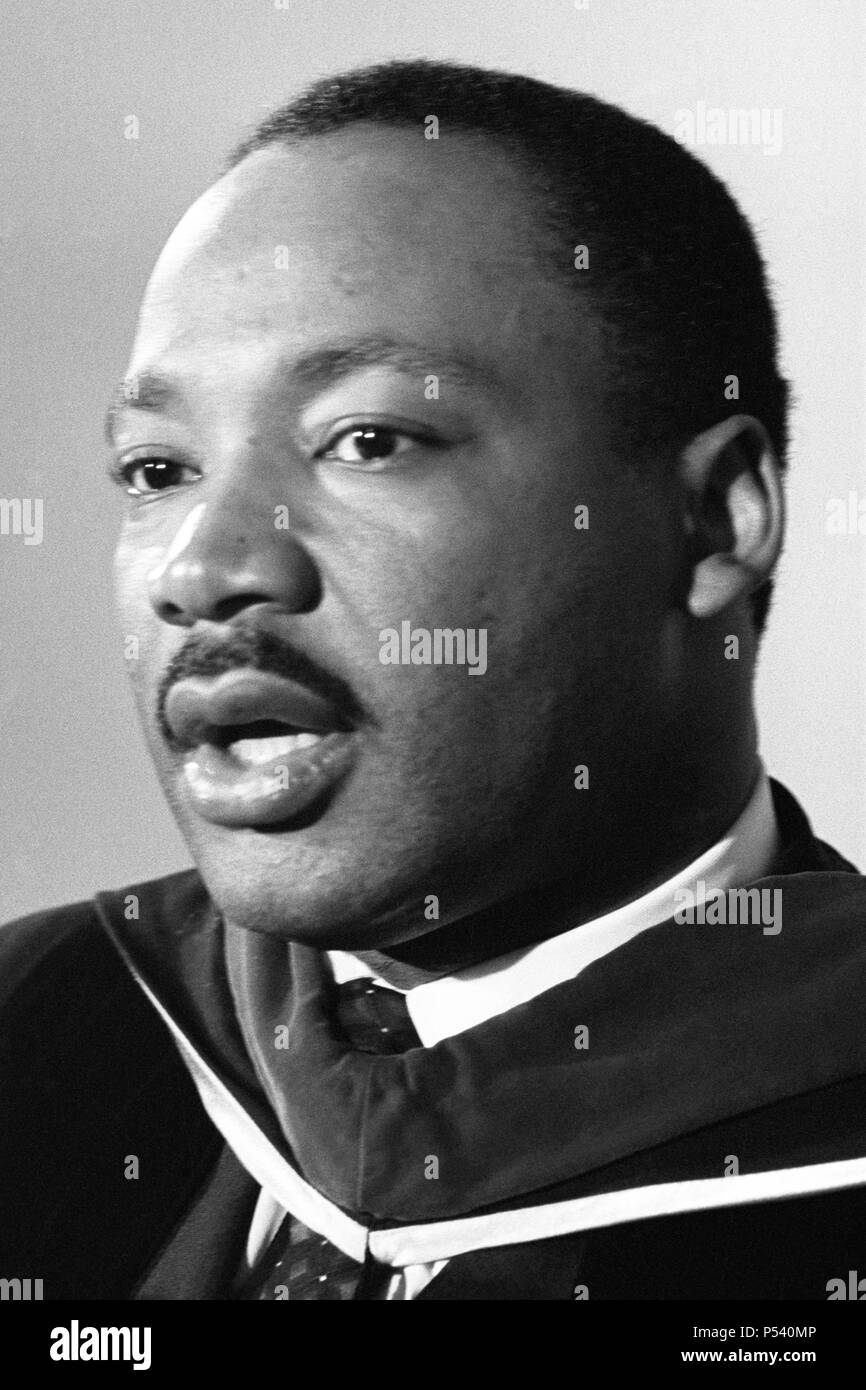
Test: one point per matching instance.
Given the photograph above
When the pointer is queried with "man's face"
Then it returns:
(361, 403)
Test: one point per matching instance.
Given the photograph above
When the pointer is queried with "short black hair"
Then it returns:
(676, 278)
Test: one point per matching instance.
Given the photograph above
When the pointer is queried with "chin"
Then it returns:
(320, 901)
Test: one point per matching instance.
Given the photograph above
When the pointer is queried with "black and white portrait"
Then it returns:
(432, 529)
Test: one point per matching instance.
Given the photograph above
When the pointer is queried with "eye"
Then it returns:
(145, 476)
(369, 446)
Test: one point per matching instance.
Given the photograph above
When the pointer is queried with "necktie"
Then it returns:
(299, 1264)
(375, 1019)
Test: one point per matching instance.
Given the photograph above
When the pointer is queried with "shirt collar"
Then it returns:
(443, 1008)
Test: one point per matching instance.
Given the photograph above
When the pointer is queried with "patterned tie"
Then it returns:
(299, 1264)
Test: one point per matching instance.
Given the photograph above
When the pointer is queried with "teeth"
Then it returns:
(265, 750)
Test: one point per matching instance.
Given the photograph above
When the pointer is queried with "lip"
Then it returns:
(257, 749)
(228, 792)
(197, 709)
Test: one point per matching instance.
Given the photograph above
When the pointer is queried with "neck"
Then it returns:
(643, 855)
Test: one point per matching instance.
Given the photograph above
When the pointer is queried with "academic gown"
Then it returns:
(715, 1055)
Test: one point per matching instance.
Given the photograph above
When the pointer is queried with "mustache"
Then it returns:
(260, 651)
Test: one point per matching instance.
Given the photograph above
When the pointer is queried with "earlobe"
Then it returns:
(734, 512)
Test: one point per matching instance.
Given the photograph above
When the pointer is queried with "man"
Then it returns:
(529, 986)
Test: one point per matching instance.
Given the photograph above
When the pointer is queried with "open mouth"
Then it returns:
(256, 749)
(263, 741)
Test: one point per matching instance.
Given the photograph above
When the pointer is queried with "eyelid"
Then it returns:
(413, 429)
(411, 438)
(120, 467)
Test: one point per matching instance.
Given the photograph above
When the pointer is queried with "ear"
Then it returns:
(734, 512)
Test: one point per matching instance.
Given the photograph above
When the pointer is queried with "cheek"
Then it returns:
(126, 563)
(430, 572)
(141, 630)
(133, 562)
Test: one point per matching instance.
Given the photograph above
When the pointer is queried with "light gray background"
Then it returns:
(84, 213)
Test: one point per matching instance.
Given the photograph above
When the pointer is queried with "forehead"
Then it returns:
(358, 197)
(370, 230)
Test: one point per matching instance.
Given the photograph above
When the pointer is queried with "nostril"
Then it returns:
(229, 607)
(174, 614)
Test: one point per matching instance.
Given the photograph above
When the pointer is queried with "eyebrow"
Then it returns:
(323, 366)
(315, 370)
(150, 391)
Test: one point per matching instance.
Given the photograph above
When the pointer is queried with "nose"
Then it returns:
(229, 553)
